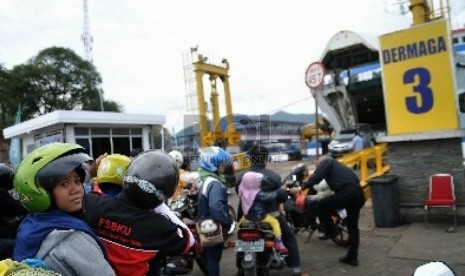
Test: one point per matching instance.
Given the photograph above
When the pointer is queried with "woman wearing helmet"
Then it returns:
(136, 227)
(110, 174)
(213, 199)
(49, 184)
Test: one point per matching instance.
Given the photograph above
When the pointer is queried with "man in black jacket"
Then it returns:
(348, 194)
(272, 181)
(136, 227)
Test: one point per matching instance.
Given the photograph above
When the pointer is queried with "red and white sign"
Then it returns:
(315, 75)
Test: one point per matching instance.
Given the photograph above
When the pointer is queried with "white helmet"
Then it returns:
(434, 269)
(177, 156)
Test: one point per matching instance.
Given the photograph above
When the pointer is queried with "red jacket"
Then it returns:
(134, 238)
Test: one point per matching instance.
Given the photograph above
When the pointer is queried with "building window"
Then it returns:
(79, 131)
(137, 142)
(101, 145)
(123, 144)
(85, 143)
(98, 141)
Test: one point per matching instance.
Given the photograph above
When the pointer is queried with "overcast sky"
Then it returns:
(139, 44)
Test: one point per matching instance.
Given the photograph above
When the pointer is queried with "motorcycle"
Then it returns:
(255, 249)
(303, 218)
(185, 208)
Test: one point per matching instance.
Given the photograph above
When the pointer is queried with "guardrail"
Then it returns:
(371, 162)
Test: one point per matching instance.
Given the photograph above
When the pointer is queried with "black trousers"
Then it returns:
(289, 240)
(352, 199)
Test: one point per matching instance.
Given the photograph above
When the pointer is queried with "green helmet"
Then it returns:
(42, 169)
(112, 169)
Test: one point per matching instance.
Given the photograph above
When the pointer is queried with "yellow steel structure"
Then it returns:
(311, 130)
(419, 10)
(372, 162)
(424, 11)
(215, 136)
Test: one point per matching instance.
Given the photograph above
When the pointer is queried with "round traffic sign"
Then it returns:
(315, 74)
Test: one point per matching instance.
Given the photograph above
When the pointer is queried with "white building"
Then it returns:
(458, 40)
(98, 132)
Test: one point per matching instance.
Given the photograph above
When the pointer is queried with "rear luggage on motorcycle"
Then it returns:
(210, 233)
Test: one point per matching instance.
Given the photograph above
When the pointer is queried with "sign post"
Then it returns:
(314, 77)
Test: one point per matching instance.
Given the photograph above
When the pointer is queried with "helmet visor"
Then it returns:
(49, 176)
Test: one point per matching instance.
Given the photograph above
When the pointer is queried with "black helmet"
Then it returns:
(298, 170)
(150, 178)
(6, 176)
(258, 154)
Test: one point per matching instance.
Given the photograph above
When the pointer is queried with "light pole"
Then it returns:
(316, 125)
(100, 96)
(314, 77)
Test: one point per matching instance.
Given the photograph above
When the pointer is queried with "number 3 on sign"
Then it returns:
(423, 102)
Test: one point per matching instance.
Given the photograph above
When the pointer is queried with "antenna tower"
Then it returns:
(86, 37)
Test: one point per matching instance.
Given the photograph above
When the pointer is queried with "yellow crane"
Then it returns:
(211, 135)
(214, 136)
(320, 129)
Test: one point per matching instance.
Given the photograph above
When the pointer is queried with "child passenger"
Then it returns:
(49, 182)
(252, 199)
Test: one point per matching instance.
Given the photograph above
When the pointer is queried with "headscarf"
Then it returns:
(248, 189)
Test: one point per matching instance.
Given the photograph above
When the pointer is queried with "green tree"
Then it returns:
(5, 102)
(55, 79)
(110, 105)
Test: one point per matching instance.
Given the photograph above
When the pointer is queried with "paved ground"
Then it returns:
(383, 251)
